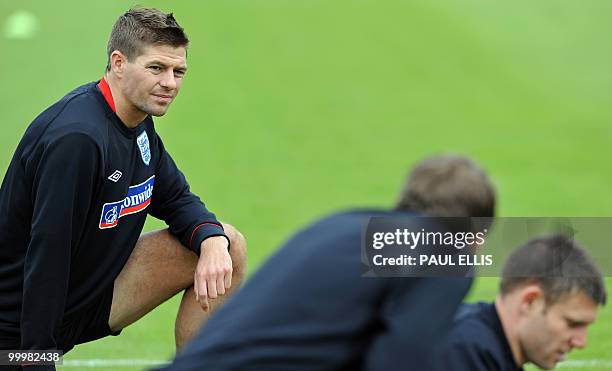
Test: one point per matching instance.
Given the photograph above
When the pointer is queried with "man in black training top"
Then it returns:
(73, 267)
(309, 308)
(549, 294)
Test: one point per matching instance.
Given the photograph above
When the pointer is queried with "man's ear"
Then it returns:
(531, 298)
(117, 63)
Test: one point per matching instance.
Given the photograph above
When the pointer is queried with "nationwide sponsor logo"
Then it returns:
(143, 144)
(137, 199)
(114, 177)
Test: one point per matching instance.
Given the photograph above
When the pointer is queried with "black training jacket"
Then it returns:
(72, 206)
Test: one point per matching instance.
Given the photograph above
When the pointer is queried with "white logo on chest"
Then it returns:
(114, 177)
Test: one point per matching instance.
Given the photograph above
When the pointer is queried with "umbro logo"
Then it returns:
(114, 177)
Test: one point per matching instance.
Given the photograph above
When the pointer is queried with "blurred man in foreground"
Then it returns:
(308, 308)
(549, 294)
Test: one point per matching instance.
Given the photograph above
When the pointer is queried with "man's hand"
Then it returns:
(213, 275)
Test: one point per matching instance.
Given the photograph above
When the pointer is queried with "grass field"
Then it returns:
(292, 109)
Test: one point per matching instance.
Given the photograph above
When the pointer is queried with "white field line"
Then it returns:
(113, 362)
(584, 363)
(93, 363)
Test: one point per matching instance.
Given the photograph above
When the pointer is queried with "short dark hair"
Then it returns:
(558, 264)
(448, 186)
(139, 27)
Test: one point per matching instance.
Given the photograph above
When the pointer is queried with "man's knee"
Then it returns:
(158, 268)
(238, 250)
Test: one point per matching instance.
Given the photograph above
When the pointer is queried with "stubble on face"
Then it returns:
(154, 79)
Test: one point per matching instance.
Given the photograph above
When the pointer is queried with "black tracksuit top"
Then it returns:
(72, 206)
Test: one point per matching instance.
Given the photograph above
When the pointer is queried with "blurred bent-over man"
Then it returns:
(309, 308)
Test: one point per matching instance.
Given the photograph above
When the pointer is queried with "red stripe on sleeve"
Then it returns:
(198, 227)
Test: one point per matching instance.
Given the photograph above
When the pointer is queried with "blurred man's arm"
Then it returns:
(417, 313)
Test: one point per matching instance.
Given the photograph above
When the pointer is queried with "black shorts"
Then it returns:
(88, 324)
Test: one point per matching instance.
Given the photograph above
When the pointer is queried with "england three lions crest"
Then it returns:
(143, 144)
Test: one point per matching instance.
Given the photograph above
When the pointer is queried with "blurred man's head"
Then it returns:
(147, 52)
(448, 185)
(549, 294)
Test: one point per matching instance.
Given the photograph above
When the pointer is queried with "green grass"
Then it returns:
(292, 109)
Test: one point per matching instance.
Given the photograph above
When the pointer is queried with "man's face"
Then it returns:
(548, 333)
(152, 80)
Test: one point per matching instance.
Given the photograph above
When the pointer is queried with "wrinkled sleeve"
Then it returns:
(64, 180)
(184, 213)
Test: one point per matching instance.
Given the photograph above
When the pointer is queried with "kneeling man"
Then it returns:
(73, 266)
